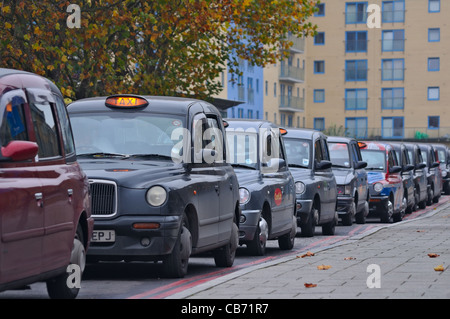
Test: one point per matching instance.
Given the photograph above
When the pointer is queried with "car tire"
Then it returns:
(329, 228)
(286, 242)
(430, 197)
(257, 246)
(347, 219)
(224, 256)
(176, 264)
(386, 214)
(415, 206)
(360, 218)
(308, 229)
(58, 287)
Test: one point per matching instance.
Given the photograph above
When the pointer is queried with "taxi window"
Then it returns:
(136, 133)
(45, 129)
(12, 120)
(298, 152)
(243, 147)
(339, 154)
(69, 146)
(376, 160)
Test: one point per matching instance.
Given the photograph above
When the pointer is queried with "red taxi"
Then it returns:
(45, 216)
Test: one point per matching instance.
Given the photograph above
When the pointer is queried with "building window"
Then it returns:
(240, 113)
(434, 6)
(356, 70)
(393, 40)
(319, 123)
(319, 38)
(356, 126)
(355, 12)
(275, 89)
(434, 35)
(393, 11)
(433, 122)
(392, 127)
(319, 67)
(433, 94)
(392, 98)
(320, 10)
(356, 99)
(319, 96)
(393, 69)
(434, 64)
(356, 41)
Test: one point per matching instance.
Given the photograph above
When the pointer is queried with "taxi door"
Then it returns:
(205, 182)
(21, 211)
(55, 175)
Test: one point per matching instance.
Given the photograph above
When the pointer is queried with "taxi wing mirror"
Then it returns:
(361, 164)
(395, 169)
(435, 164)
(20, 151)
(323, 165)
(408, 167)
(421, 166)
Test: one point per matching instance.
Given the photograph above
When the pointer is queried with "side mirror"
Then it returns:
(435, 164)
(20, 150)
(408, 167)
(395, 169)
(421, 166)
(323, 165)
(361, 164)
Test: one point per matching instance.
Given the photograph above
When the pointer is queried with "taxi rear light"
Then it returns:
(126, 101)
(146, 225)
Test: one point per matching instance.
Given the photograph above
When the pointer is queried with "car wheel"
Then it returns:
(347, 219)
(257, 246)
(286, 242)
(224, 257)
(176, 264)
(308, 229)
(385, 215)
(330, 227)
(360, 217)
(62, 287)
(430, 197)
(415, 206)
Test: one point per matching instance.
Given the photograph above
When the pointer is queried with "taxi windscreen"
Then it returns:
(135, 134)
(339, 154)
(298, 152)
(376, 160)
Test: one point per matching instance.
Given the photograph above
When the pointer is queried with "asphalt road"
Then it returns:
(144, 280)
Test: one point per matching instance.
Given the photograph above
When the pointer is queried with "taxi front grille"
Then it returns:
(103, 198)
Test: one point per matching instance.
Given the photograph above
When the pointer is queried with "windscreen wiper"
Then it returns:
(103, 154)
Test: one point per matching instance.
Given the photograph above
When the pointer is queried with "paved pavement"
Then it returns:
(390, 262)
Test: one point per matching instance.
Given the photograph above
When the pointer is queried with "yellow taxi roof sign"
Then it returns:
(126, 101)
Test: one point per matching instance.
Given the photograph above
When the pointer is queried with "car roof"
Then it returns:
(18, 79)
(376, 145)
(247, 123)
(308, 134)
(340, 139)
(162, 104)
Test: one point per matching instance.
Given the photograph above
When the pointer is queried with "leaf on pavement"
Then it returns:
(310, 285)
(349, 258)
(308, 254)
(323, 267)
(439, 268)
(433, 255)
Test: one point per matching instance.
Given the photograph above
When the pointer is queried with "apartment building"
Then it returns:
(385, 81)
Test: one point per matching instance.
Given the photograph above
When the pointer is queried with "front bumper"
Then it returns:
(248, 225)
(343, 204)
(303, 209)
(377, 203)
(136, 244)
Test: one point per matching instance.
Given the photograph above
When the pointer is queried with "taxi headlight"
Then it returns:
(156, 196)
(444, 173)
(299, 188)
(378, 187)
(244, 195)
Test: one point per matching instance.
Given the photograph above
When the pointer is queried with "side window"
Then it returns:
(45, 129)
(63, 117)
(214, 139)
(325, 151)
(318, 155)
(12, 119)
(407, 160)
(391, 159)
(199, 126)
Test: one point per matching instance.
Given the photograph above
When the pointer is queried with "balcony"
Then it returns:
(298, 44)
(291, 103)
(291, 74)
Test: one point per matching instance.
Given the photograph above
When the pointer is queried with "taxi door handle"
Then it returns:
(39, 200)
(216, 187)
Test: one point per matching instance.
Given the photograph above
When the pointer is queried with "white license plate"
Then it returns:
(103, 236)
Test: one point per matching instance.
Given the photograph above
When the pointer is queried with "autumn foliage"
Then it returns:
(160, 47)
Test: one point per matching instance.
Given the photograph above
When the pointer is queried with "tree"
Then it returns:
(159, 47)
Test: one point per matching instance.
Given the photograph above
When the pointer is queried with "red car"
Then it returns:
(45, 215)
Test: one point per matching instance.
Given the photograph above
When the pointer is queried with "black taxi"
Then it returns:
(162, 189)
(266, 186)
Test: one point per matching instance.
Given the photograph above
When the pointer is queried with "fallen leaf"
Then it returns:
(420, 231)
(439, 268)
(349, 258)
(310, 285)
(308, 254)
(433, 255)
(323, 267)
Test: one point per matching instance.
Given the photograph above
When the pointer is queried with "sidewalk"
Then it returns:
(398, 253)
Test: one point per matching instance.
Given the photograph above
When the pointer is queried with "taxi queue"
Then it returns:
(163, 178)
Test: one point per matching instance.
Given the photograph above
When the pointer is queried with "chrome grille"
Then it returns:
(103, 198)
